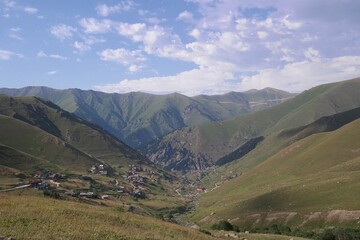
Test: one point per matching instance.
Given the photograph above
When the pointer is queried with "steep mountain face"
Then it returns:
(139, 118)
(43, 136)
(203, 145)
(310, 181)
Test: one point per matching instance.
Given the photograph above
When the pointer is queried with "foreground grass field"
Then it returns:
(28, 215)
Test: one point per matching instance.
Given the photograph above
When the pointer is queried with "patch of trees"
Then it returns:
(226, 226)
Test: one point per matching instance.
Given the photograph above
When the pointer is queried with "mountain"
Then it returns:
(310, 183)
(37, 134)
(202, 146)
(139, 118)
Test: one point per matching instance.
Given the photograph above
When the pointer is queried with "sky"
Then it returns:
(187, 46)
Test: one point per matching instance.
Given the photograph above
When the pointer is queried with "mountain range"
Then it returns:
(139, 118)
(202, 146)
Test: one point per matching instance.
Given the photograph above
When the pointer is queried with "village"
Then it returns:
(131, 183)
(134, 182)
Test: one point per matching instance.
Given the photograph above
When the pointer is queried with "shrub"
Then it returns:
(223, 225)
(51, 193)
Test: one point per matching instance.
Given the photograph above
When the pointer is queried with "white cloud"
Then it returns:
(13, 5)
(14, 33)
(195, 33)
(92, 25)
(312, 54)
(241, 24)
(226, 40)
(122, 56)
(56, 56)
(135, 68)
(81, 47)
(6, 55)
(262, 34)
(191, 83)
(52, 72)
(105, 10)
(303, 75)
(290, 24)
(86, 43)
(134, 31)
(42, 54)
(30, 10)
(295, 77)
(62, 31)
(9, 3)
(154, 20)
(185, 16)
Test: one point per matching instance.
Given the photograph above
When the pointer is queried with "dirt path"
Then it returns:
(15, 188)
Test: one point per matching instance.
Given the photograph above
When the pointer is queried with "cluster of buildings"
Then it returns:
(98, 169)
(39, 184)
(49, 175)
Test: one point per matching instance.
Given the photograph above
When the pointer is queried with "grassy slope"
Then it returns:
(29, 216)
(276, 141)
(29, 149)
(214, 140)
(138, 118)
(316, 174)
(63, 129)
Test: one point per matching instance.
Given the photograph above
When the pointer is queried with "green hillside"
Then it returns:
(203, 145)
(60, 129)
(138, 118)
(311, 183)
(276, 141)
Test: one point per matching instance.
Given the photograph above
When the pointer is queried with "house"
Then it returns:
(70, 193)
(34, 182)
(138, 193)
(87, 194)
(38, 174)
(200, 189)
(42, 186)
(121, 189)
(105, 197)
(93, 169)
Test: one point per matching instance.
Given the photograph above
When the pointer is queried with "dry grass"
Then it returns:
(31, 216)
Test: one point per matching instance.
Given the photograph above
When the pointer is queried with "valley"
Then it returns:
(288, 169)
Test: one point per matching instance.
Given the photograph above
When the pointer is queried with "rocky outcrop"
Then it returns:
(178, 159)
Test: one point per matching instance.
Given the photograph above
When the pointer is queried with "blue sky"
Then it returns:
(186, 46)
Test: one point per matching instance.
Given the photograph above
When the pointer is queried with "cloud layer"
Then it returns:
(238, 45)
(188, 46)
